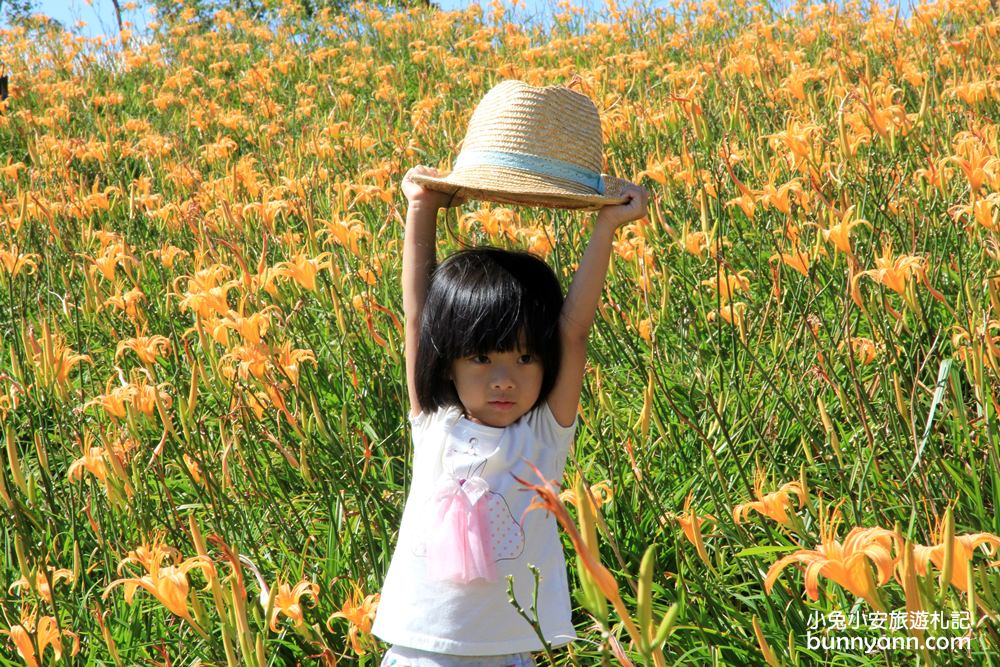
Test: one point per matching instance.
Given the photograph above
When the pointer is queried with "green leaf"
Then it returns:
(770, 549)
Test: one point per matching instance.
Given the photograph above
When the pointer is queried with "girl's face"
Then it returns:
(497, 388)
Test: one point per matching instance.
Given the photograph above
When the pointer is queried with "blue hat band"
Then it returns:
(540, 165)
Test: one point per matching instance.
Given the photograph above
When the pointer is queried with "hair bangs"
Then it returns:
(495, 313)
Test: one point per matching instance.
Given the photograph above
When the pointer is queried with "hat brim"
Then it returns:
(523, 188)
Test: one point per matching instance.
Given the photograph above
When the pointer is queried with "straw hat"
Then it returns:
(532, 146)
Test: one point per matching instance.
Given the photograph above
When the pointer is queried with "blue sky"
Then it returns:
(100, 16)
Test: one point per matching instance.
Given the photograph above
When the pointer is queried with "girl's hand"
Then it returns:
(418, 194)
(616, 215)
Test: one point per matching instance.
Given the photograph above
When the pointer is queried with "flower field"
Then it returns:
(789, 420)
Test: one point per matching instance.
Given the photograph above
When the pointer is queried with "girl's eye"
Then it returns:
(527, 358)
(480, 359)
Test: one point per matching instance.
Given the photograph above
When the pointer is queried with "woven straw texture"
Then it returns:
(551, 122)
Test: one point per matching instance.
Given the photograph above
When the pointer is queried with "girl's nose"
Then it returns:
(502, 380)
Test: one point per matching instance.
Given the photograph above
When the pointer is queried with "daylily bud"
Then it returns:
(765, 648)
(666, 625)
(644, 599)
(14, 461)
(900, 403)
(647, 407)
(948, 539)
(830, 431)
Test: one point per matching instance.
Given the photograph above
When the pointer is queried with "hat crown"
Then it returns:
(551, 122)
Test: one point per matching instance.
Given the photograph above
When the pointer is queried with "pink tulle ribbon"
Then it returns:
(458, 543)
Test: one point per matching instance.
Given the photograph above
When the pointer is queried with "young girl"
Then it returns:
(494, 367)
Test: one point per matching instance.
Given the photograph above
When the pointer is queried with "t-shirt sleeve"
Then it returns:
(419, 424)
(417, 420)
(553, 438)
(424, 422)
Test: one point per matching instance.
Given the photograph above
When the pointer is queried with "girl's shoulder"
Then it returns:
(541, 420)
(424, 419)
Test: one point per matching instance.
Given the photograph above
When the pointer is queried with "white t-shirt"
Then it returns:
(476, 618)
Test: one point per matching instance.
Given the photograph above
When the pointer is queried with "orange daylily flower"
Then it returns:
(46, 634)
(289, 360)
(12, 260)
(601, 492)
(109, 258)
(727, 284)
(697, 243)
(794, 84)
(893, 272)
(797, 138)
(95, 459)
(746, 202)
(846, 564)
(147, 348)
(251, 328)
(168, 584)
(884, 115)
(549, 500)
(205, 295)
(864, 348)
(114, 401)
(773, 505)
(798, 261)
(286, 601)
(537, 240)
(660, 170)
(42, 582)
(937, 174)
(780, 197)
(973, 92)
(92, 461)
(345, 231)
(127, 302)
(963, 340)
(11, 169)
(103, 461)
(144, 396)
(304, 270)
(266, 278)
(251, 360)
(168, 254)
(840, 234)
(984, 211)
(52, 360)
(731, 312)
(691, 522)
(491, 220)
(964, 548)
(360, 614)
(976, 166)
(137, 393)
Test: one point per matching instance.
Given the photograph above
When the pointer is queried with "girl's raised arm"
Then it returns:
(581, 301)
(419, 259)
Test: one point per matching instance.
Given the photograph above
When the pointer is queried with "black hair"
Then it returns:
(481, 300)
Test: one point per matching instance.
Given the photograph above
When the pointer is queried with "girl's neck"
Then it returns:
(474, 420)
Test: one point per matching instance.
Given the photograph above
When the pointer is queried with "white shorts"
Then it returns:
(402, 656)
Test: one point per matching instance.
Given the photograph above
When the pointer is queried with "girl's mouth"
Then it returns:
(503, 405)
